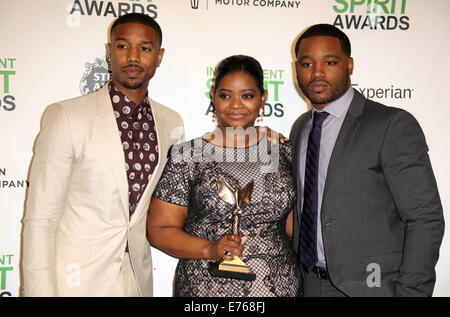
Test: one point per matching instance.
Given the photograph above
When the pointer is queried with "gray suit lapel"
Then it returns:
(348, 130)
(296, 137)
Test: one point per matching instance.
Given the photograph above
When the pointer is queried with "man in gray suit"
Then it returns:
(368, 220)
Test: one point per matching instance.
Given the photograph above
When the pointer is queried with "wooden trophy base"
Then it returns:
(232, 269)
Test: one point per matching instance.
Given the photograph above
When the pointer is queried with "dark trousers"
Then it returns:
(315, 287)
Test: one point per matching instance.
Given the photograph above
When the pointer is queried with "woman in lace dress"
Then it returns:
(189, 220)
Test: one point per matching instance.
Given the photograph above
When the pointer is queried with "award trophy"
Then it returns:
(235, 268)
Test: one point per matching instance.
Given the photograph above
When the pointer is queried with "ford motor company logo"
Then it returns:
(290, 4)
(95, 75)
(194, 4)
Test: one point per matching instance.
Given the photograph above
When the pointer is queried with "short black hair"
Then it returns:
(141, 19)
(326, 30)
(237, 63)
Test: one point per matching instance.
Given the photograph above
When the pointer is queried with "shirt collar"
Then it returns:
(113, 90)
(339, 107)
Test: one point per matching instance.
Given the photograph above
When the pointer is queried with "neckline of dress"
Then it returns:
(263, 136)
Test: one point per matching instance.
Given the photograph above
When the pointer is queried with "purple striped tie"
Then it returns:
(308, 226)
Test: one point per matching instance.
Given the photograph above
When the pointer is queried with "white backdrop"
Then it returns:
(54, 49)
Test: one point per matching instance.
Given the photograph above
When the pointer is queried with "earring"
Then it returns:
(214, 115)
(261, 115)
(214, 118)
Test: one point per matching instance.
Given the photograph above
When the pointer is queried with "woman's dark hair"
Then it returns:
(326, 30)
(238, 63)
(141, 19)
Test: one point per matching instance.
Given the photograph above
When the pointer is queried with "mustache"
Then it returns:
(133, 66)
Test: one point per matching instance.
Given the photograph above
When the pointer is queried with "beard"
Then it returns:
(129, 85)
(336, 91)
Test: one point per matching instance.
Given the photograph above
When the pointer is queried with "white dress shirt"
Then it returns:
(330, 130)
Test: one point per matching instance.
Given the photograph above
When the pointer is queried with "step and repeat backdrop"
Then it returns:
(55, 49)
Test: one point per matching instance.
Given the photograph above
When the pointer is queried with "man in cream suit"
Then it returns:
(368, 220)
(97, 160)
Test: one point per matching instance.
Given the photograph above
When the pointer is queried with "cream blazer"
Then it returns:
(76, 222)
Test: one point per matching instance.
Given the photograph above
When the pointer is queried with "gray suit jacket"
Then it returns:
(381, 207)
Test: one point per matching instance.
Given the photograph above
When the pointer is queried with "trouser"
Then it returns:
(129, 281)
(316, 286)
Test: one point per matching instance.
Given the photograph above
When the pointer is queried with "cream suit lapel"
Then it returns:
(162, 137)
(112, 145)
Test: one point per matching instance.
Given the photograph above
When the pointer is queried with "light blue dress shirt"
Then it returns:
(330, 130)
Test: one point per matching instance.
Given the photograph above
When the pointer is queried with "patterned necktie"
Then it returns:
(308, 226)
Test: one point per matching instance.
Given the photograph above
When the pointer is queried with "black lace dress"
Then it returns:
(189, 179)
